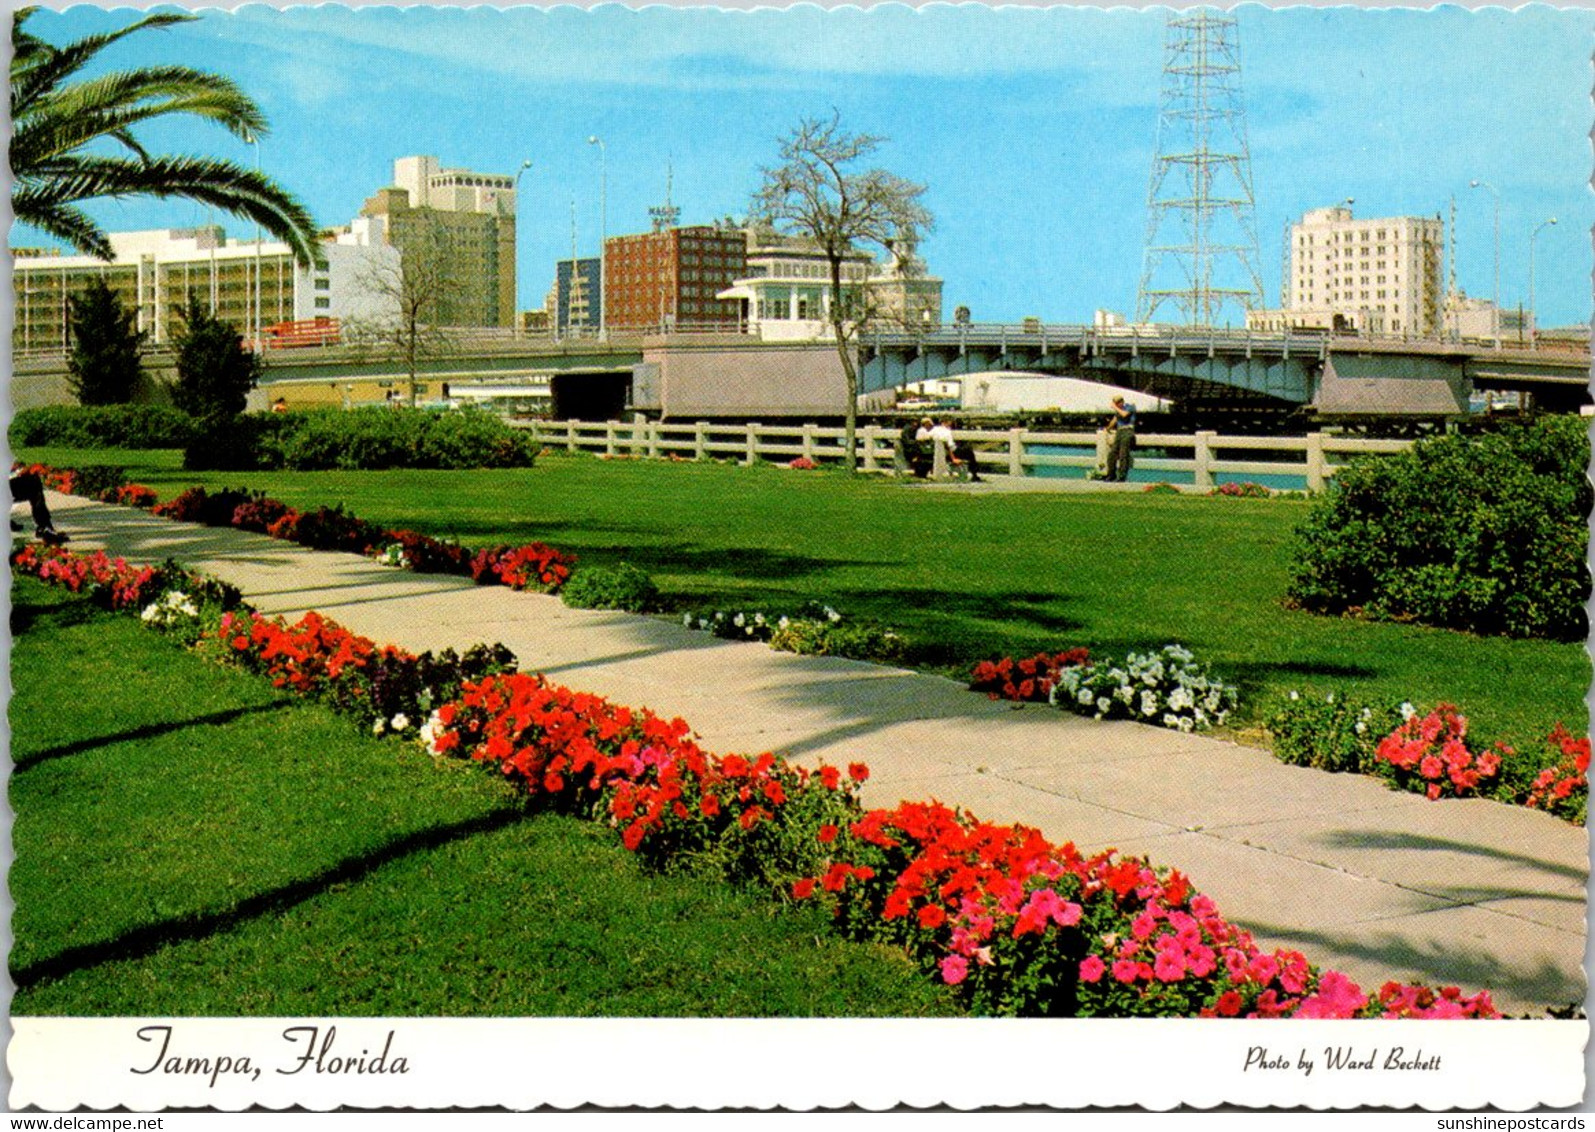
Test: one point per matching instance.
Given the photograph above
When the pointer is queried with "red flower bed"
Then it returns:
(1430, 753)
(427, 555)
(111, 580)
(1031, 679)
(1563, 788)
(535, 566)
(1021, 926)
(63, 480)
(131, 495)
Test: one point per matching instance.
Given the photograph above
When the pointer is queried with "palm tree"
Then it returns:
(56, 124)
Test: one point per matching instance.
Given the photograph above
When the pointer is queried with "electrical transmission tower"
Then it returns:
(1201, 228)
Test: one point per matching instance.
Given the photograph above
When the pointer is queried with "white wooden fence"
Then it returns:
(1014, 452)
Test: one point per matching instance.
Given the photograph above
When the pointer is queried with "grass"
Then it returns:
(189, 842)
(964, 578)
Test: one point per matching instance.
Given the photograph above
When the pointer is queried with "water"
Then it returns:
(1277, 481)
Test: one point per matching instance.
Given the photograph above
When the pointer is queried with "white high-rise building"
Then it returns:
(249, 284)
(1376, 276)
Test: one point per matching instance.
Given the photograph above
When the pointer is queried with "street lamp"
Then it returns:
(1495, 297)
(1533, 313)
(516, 189)
(603, 234)
(259, 346)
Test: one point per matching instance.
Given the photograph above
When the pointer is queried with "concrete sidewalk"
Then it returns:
(1374, 883)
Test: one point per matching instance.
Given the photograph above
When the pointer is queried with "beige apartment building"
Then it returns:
(1374, 276)
(463, 224)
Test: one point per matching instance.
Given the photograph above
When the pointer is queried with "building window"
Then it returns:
(323, 303)
(323, 284)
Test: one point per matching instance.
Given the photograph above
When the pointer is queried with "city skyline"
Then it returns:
(1034, 128)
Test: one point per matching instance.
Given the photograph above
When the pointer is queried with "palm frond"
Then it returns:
(44, 67)
(225, 185)
(85, 112)
(64, 222)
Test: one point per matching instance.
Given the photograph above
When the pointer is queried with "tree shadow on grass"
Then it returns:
(147, 731)
(27, 616)
(141, 942)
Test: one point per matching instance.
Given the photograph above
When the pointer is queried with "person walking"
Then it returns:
(1119, 456)
(27, 487)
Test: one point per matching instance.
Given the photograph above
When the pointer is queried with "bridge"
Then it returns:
(1198, 366)
(691, 375)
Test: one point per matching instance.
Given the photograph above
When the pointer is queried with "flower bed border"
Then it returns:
(1020, 925)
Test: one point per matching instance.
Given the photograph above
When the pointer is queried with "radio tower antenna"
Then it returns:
(1201, 230)
(666, 215)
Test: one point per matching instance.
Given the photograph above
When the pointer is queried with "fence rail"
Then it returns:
(1015, 452)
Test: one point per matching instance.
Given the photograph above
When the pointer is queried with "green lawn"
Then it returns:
(965, 578)
(189, 842)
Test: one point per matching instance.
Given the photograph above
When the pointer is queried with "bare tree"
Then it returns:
(414, 291)
(815, 192)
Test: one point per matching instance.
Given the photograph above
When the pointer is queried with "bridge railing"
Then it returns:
(1201, 460)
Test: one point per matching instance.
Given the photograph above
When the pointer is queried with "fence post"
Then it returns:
(609, 438)
(570, 436)
(639, 436)
(938, 460)
(1202, 456)
(869, 434)
(808, 440)
(700, 441)
(653, 440)
(752, 456)
(1016, 451)
(1315, 461)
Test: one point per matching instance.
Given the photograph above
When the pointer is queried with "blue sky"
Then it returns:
(1034, 128)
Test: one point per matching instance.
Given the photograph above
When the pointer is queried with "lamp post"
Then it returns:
(603, 235)
(1533, 312)
(515, 216)
(259, 346)
(1495, 295)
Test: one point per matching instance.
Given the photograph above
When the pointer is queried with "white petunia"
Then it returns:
(401, 722)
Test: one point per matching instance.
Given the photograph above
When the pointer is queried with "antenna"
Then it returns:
(666, 215)
(1201, 229)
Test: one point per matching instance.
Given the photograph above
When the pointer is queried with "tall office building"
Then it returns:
(1375, 276)
(463, 224)
(575, 302)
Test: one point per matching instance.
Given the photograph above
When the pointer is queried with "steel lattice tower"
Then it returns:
(1201, 228)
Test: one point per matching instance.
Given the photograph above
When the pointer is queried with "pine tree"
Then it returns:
(214, 371)
(103, 366)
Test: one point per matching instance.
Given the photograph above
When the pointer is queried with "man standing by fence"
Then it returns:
(1119, 458)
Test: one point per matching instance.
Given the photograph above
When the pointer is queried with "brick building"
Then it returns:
(670, 278)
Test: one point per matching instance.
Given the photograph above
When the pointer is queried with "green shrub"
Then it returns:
(474, 438)
(611, 587)
(381, 438)
(94, 480)
(101, 426)
(1334, 733)
(1484, 533)
(859, 640)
